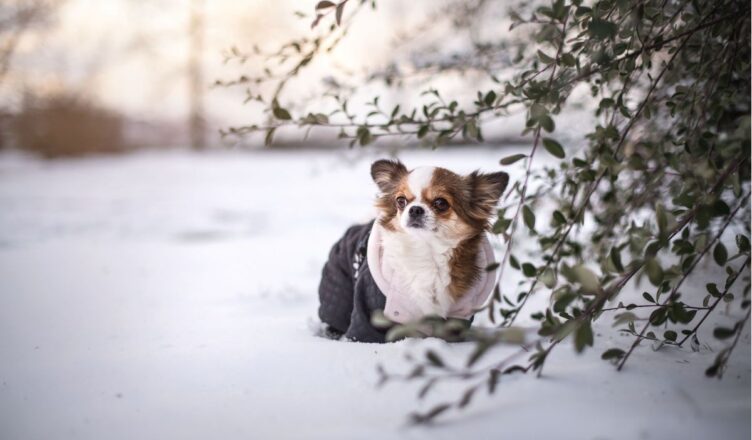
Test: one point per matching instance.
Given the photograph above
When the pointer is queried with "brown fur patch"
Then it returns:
(463, 269)
(485, 190)
(391, 177)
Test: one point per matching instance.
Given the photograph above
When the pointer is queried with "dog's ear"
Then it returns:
(486, 191)
(387, 174)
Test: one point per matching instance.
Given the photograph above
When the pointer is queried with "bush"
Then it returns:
(652, 191)
(66, 125)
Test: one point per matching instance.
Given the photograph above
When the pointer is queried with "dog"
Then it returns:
(426, 253)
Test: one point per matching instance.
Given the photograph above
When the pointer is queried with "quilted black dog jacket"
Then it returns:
(348, 295)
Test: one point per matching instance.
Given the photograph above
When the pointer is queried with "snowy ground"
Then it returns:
(166, 296)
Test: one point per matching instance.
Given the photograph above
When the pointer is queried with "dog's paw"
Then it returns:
(323, 330)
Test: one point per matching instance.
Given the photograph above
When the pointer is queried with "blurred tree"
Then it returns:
(16, 18)
(658, 185)
(64, 124)
(196, 86)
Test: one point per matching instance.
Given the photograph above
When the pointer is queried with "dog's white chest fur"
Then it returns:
(421, 267)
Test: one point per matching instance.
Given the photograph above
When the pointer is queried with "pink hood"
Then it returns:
(399, 306)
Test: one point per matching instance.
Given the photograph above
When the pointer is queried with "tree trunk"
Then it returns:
(196, 120)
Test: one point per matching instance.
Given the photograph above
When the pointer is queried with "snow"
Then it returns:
(173, 295)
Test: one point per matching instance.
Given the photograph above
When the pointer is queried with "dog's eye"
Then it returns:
(401, 202)
(441, 204)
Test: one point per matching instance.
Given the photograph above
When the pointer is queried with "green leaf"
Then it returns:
(339, 12)
(395, 111)
(559, 10)
(559, 218)
(547, 123)
(648, 297)
(269, 138)
(512, 159)
(606, 103)
(472, 129)
(720, 208)
(545, 58)
(489, 98)
(513, 262)
(378, 319)
(538, 111)
(658, 316)
(742, 242)
(514, 369)
(434, 359)
(467, 397)
(528, 217)
(720, 255)
(493, 379)
(661, 218)
(553, 147)
(568, 60)
(583, 337)
(587, 279)
(615, 256)
(364, 136)
(713, 370)
(723, 332)
(430, 415)
(548, 278)
(528, 270)
(652, 248)
(324, 4)
(480, 349)
(281, 114)
(654, 270)
(492, 267)
(621, 318)
(713, 289)
(670, 335)
(501, 225)
(602, 29)
(398, 332)
(321, 118)
(563, 301)
(613, 353)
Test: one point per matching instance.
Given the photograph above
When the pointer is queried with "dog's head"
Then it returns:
(435, 202)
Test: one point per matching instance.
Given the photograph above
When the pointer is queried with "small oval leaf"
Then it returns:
(553, 147)
(512, 159)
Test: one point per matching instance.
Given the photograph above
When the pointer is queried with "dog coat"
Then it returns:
(355, 282)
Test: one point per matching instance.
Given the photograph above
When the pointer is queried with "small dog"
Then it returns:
(424, 255)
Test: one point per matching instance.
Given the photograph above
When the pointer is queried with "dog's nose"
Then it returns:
(416, 211)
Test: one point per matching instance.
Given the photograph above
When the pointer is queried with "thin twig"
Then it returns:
(733, 344)
(715, 303)
(528, 172)
(705, 250)
(633, 306)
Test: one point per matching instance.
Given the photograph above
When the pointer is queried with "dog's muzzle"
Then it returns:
(416, 217)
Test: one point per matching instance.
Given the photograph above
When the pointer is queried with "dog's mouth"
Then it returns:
(416, 223)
